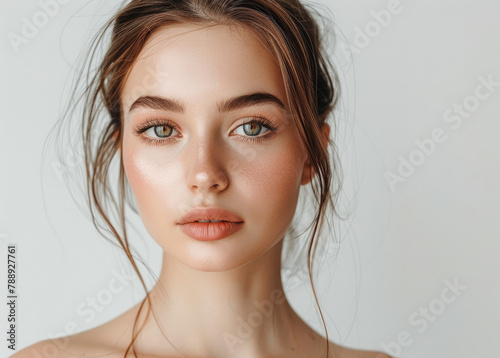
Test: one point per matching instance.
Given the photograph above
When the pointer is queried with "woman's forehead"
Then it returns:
(189, 61)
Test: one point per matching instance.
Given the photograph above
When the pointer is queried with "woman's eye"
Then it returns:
(162, 131)
(252, 129)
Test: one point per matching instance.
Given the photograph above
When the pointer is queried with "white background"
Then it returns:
(440, 225)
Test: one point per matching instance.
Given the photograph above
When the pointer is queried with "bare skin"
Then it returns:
(203, 286)
(111, 339)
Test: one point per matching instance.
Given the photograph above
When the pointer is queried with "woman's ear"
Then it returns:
(116, 141)
(308, 172)
(326, 134)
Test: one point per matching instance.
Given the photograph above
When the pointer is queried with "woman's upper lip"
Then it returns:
(213, 213)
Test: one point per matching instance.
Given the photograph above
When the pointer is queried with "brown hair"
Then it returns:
(286, 27)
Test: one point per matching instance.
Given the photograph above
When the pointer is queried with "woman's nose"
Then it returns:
(206, 167)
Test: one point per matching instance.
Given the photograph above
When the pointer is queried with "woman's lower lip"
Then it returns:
(210, 231)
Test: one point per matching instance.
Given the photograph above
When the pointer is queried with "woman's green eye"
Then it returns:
(163, 131)
(252, 129)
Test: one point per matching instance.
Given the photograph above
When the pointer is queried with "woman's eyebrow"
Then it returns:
(157, 102)
(249, 100)
(162, 103)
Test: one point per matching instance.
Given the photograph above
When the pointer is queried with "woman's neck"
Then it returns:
(233, 313)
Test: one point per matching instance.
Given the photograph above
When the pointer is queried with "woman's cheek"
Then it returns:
(153, 183)
(270, 183)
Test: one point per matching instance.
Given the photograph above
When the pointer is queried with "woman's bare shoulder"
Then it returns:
(35, 350)
(67, 347)
(78, 347)
(345, 352)
(105, 341)
(315, 342)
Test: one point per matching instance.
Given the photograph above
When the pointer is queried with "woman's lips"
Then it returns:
(206, 213)
(227, 223)
(205, 231)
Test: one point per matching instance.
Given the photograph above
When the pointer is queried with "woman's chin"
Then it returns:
(216, 256)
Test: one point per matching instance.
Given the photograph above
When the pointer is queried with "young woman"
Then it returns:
(217, 112)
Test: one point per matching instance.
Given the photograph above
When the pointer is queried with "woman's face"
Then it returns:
(186, 144)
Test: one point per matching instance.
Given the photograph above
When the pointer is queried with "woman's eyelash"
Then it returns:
(262, 121)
